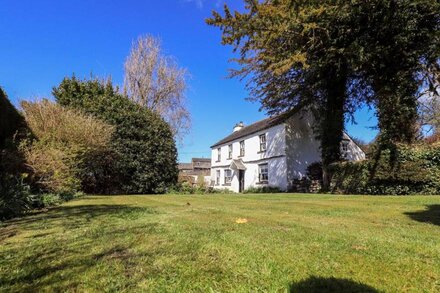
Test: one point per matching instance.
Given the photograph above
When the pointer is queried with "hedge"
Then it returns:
(401, 170)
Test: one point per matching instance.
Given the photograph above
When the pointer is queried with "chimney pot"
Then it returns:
(238, 126)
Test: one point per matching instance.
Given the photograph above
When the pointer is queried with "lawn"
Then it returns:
(283, 242)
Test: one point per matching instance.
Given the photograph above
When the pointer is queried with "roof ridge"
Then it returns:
(254, 127)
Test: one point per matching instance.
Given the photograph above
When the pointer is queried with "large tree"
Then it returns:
(297, 55)
(400, 42)
(332, 56)
(145, 152)
(156, 82)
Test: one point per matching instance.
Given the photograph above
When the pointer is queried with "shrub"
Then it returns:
(401, 170)
(314, 171)
(146, 155)
(45, 200)
(263, 189)
(15, 196)
(62, 140)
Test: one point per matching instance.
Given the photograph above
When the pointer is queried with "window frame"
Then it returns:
(230, 151)
(219, 154)
(217, 177)
(263, 142)
(242, 148)
(264, 166)
(227, 179)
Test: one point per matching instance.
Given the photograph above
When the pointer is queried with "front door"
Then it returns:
(240, 180)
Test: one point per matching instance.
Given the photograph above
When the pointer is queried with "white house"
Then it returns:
(270, 152)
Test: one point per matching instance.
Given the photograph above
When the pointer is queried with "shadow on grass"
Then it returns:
(91, 236)
(331, 285)
(430, 215)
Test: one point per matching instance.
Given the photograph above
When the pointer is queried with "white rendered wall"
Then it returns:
(291, 148)
(274, 156)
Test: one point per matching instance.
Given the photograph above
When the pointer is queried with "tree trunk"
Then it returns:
(332, 120)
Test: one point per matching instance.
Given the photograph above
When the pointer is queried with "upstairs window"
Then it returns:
(263, 173)
(228, 176)
(242, 148)
(344, 149)
(344, 146)
(263, 143)
(230, 151)
(217, 177)
(219, 154)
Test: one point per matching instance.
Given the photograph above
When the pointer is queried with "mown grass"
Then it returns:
(296, 243)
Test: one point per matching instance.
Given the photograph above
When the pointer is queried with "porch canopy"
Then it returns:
(237, 165)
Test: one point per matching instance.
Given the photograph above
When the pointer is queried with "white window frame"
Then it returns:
(242, 148)
(228, 176)
(263, 142)
(263, 173)
(217, 177)
(230, 149)
(219, 154)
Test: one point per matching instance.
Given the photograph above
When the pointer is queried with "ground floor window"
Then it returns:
(228, 176)
(263, 173)
(217, 177)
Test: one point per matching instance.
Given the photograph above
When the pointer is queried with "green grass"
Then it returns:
(302, 243)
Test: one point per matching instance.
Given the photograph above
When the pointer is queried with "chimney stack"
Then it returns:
(238, 126)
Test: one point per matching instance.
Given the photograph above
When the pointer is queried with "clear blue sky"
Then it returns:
(43, 41)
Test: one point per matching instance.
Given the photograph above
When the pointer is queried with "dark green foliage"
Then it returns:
(10, 120)
(314, 171)
(400, 40)
(15, 196)
(144, 152)
(401, 170)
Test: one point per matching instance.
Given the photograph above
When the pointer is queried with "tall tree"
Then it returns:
(332, 55)
(401, 38)
(296, 55)
(156, 82)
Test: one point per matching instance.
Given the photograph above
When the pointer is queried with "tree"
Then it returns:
(429, 101)
(156, 82)
(400, 40)
(10, 120)
(332, 56)
(143, 144)
(297, 55)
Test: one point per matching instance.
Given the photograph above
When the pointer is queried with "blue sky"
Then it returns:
(43, 41)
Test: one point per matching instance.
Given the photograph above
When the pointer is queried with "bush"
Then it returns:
(188, 188)
(15, 197)
(146, 155)
(263, 189)
(61, 141)
(398, 171)
(46, 200)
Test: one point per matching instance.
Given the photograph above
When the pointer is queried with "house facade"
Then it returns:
(271, 152)
(199, 167)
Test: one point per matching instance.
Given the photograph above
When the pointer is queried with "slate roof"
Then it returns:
(253, 128)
